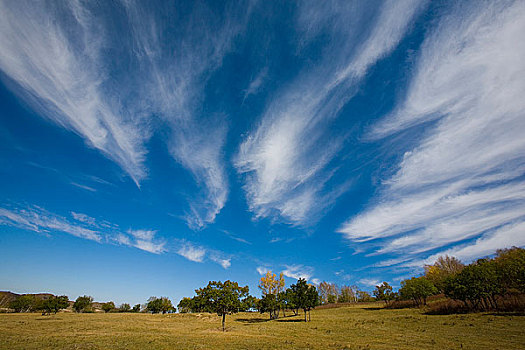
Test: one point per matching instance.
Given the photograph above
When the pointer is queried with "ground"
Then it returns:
(353, 327)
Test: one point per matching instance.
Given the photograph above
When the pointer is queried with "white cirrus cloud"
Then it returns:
(284, 160)
(40, 220)
(463, 181)
(52, 57)
(261, 270)
(192, 252)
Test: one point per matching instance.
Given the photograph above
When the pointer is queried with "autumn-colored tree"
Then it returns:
(444, 267)
(271, 287)
(329, 292)
(384, 292)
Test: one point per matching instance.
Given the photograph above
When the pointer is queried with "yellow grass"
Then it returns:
(353, 327)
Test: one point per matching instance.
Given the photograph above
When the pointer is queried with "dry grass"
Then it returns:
(352, 327)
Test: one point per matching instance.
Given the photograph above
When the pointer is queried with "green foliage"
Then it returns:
(384, 292)
(417, 289)
(156, 305)
(477, 284)
(444, 267)
(124, 308)
(185, 305)
(109, 306)
(136, 308)
(511, 266)
(364, 296)
(23, 303)
(269, 303)
(222, 298)
(83, 304)
(304, 296)
(54, 304)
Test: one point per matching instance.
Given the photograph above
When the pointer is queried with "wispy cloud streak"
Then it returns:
(465, 178)
(285, 158)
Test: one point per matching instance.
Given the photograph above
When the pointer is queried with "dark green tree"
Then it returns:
(269, 303)
(23, 303)
(305, 296)
(156, 305)
(136, 308)
(417, 289)
(222, 298)
(83, 304)
(54, 304)
(109, 306)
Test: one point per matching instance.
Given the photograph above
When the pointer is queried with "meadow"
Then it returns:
(351, 327)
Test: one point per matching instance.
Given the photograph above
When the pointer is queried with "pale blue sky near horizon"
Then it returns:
(148, 147)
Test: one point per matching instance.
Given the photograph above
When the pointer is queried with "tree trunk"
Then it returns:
(223, 319)
(305, 316)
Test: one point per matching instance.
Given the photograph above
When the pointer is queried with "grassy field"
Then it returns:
(353, 327)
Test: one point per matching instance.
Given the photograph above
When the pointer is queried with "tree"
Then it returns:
(222, 298)
(347, 294)
(364, 296)
(109, 306)
(269, 303)
(156, 305)
(83, 304)
(444, 267)
(477, 284)
(23, 303)
(270, 285)
(305, 296)
(136, 308)
(417, 289)
(511, 266)
(53, 304)
(328, 293)
(124, 308)
(384, 292)
(185, 305)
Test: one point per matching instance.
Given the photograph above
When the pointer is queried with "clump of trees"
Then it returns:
(418, 289)
(47, 305)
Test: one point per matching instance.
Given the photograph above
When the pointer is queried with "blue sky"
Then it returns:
(148, 147)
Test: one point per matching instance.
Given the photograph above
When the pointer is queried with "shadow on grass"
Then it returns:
(294, 320)
(372, 308)
(506, 313)
(252, 320)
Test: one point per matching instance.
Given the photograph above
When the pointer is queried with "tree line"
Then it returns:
(496, 283)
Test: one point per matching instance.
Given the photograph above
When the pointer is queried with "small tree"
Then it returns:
(185, 305)
(83, 304)
(124, 308)
(269, 303)
(305, 296)
(223, 298)
(156, 305)
(54, 304)
(109, 306)
(417, 289)
(136, 308)
(384, 292)
(444, 267)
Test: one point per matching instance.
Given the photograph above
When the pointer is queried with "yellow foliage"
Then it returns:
(269, 284)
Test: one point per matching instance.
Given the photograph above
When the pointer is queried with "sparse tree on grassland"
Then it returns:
(136, 308)
(156, 305)
(223, 298)
(271, 285)
(417, 289)
(384, 292)
(124, 308)
(83, 304)
(53, 304)
(109, 306)
(305, 296)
